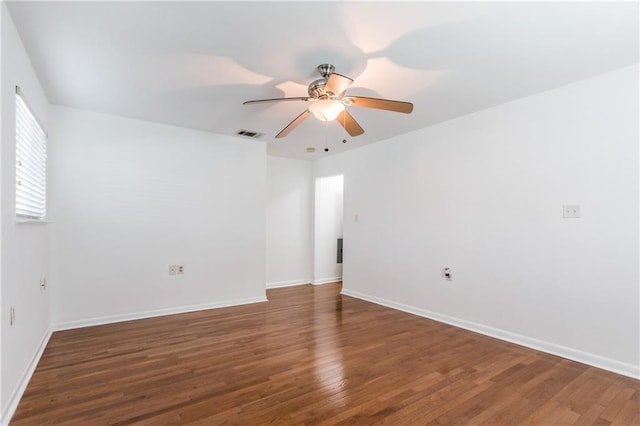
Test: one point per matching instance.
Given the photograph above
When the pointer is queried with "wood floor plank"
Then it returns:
(617, 404)
(311, 356)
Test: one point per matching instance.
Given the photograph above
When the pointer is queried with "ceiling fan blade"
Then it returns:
(296, 121)
(258, 101)
(349, 123)
(337, 84)
(386, 104)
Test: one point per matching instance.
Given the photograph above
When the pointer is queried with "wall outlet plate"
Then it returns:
(571, 211)
(173, 269)
(180, 269)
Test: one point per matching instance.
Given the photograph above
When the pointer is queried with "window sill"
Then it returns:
(23, 220)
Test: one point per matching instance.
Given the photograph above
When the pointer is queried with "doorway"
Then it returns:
(327, 229)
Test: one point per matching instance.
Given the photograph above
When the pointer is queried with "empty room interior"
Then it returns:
(319, 213)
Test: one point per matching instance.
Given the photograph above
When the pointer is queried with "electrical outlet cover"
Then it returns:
(571, 211)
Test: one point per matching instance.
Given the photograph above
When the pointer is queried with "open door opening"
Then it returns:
(328, 229)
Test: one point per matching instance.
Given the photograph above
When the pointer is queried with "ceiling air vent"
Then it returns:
(249, 134)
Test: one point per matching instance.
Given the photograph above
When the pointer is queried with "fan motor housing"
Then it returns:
(316, 88)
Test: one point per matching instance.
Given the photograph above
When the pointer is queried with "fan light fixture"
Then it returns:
(327, 109)
(327, 99)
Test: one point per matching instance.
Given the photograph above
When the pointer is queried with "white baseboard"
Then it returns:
(17, 393)
(90, 322)
(326, 280)
(594, 360)
(290, 283)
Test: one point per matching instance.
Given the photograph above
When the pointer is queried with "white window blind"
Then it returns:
(31, 163)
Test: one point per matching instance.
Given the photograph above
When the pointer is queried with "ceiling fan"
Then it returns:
(329, 101)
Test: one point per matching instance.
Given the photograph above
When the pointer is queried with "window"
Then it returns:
(31, 163)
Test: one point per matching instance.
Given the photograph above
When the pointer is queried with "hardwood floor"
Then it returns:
(312, 356)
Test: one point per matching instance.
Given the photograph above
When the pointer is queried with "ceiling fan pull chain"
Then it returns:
(326, 136)
(344, 122)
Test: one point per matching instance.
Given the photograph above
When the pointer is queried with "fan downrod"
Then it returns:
(326, 70)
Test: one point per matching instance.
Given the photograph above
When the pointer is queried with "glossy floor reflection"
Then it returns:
(311, 356)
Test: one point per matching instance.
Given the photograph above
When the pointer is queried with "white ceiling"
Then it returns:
(192, 64)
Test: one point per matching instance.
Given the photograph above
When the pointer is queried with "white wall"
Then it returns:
(289, 222)
(24, 247)
(328, 228)
(129, 198)
(483, 195)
